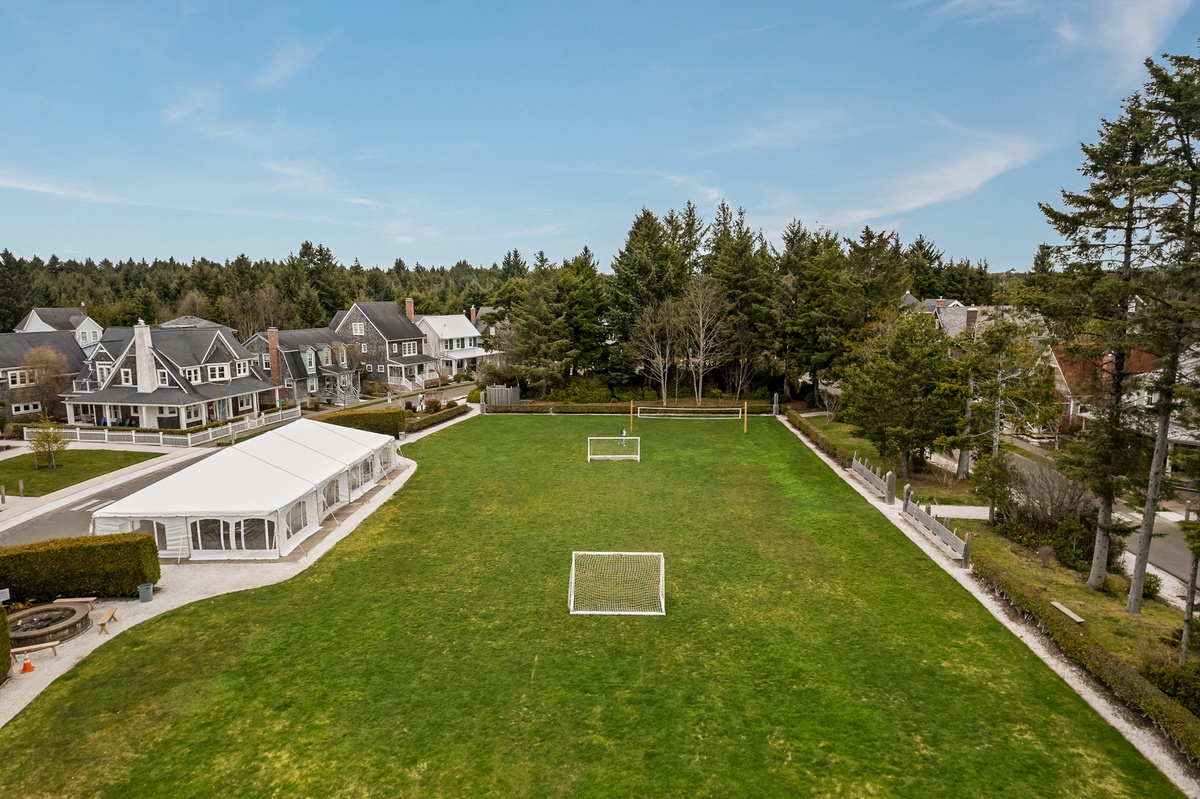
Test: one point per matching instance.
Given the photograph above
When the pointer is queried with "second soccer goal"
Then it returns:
(618, 583)
(614, 448)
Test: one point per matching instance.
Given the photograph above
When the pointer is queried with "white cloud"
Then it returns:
(785, 130)
(290, 59)
(983, 158)
(37, 185)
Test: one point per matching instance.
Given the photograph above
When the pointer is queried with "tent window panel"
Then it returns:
(156, 529)
(255, 534)
(297, 518)
(210, 534)
(329, 495)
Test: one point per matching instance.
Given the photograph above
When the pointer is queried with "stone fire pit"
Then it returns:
(37, 625)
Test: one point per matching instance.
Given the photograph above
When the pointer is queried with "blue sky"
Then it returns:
(440, 131)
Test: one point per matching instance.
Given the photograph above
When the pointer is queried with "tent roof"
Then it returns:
(255, 477)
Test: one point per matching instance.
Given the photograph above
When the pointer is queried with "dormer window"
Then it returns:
(243, 368)
(325, 357)
(127, 377)
(310, 360)
(102, 371)
(357, 329)
(218, 371)
(192, 374)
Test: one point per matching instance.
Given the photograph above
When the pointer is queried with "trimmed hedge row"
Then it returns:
(415, 424)
(615, 408)
(94, 565)
(1121, 677)
(388, 421)
(823, 442)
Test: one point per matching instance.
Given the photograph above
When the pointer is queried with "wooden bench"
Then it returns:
(51, 645)
(109, 615)
(79, 600)
(1070, 614)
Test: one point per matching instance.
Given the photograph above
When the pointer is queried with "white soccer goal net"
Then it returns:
(618, 583)
(614, 448)
(659, 412)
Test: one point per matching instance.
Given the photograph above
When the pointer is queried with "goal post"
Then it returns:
(660, 412)
(618, 584)
(614, 448)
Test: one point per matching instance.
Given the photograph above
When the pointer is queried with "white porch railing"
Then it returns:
(170, 438)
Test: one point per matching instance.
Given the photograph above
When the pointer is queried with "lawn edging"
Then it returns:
(1173, 719)
(823, 442)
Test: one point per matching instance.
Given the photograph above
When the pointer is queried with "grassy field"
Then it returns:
(808, 650)
(74, 466)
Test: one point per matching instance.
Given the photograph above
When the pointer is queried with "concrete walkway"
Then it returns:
(190, 582)
(1147, 741)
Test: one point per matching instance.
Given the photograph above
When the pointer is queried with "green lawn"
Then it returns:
(74, 466)
(808, 650)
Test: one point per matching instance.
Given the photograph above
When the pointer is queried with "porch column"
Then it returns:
(70, 413)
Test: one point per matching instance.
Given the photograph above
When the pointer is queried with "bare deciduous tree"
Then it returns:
(654, 339)
(48, 377)
(704, 320)
(745, 359)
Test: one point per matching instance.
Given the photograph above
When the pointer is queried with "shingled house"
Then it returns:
(392, 348)
(176, 376)
(18, 383)
(72, 320)
(313, 362)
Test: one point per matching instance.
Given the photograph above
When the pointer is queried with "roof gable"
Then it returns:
(15, 346)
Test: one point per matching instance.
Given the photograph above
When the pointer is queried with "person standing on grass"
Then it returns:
(622, 436)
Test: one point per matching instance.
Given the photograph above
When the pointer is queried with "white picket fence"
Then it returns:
(171, 438)
(960, 546)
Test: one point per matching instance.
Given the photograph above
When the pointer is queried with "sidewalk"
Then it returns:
(187, 582)
(1147, 741)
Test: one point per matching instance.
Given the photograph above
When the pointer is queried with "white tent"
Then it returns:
(258, 499)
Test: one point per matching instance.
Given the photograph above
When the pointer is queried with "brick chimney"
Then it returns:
(273, 354)
(408, 308)
(972, 318)
(83, 309)
(939, 303)
(473, 313)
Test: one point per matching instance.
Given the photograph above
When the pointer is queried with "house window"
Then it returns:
(356, 328)
(20, 377)
(167, 410)
(395, 348)
(192, 374)
(370, 368)
(245, 402)
(410, 348)
(28, 407)
(312, 385)
(364, 347)
(95, 335)
(243, 368)
(310, 360)
(325, 357)
(163, 378)
(266, 360)
(102, 371)
(218, 371)
(342, 356)
(192, 412)
(127, 377)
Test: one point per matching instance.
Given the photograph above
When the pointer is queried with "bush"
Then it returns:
(99, 565)
(408, 405)
(1151, 585)
(462, 377)
(433, 405)
(823, 442)
(1181, 683)
(429, 420)
(451, 404)
(473, 395)
(383, 420)
(1121, 677)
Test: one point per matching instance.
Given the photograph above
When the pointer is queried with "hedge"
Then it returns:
(1121, 677)
(99, 565)
(823, 442)
(380, 420)
(616, 408)
(5, 648)
(429, 420)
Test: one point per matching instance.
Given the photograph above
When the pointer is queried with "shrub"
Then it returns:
(473, 395)
(462, 377)
(823, 442)
(1121, 677)
(101, 565)
(408, 405)
(383, 420)
(433, 405)
(451, 404)
(1181, 683)
(1151, 585)
(429, 420)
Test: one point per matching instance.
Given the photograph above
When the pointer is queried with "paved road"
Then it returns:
(75, 518)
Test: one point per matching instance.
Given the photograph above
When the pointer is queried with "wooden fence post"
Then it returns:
(20, 488)
(891, 488)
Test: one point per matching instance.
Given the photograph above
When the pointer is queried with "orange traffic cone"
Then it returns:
(28, 665)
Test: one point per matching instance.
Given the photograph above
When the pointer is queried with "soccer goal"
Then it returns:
(614, 448)
(659, 412)
(618, 583)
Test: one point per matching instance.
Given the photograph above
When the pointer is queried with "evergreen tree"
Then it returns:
(641, 272)
(584, 305)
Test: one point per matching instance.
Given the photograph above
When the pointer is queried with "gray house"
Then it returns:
(391, 346)
(18, 384)
(173, 378)
(314, 362)
(72, 320)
